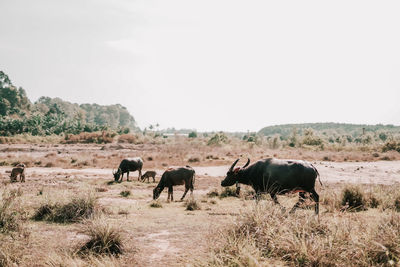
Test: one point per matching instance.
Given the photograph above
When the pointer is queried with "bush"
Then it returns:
(391, 145)
(192, 135)
(155, 204)
(353, 199)
(192, 205)
(218, 139)
(104, 238)
(76, 209)
(213, 193)
(228, 192)
(125, 193)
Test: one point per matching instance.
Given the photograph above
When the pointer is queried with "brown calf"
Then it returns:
(18, 170)
(147, 175)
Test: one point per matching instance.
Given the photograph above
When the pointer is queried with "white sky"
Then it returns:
(210, 65)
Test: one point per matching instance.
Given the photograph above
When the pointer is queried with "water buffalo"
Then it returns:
(18, 170)
(147, 175)
(276, 176)
(178, 176)
(127, 165)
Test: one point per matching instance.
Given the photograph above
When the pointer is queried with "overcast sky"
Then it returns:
(210, 65)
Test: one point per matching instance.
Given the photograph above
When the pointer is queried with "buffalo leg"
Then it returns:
(171, 193)
(140, 175)
(315, 197)
(127, 176)
(122, 177)
(184, 194)
(302, 198)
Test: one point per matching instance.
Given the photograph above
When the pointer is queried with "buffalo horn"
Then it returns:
(233, 165)
(247, 164)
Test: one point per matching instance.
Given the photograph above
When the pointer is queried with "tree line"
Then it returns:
(48, 116)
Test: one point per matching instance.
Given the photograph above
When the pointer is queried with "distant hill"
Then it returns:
(285, 130)
(54, 115)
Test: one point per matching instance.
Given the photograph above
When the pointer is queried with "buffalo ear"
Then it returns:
(247, 164)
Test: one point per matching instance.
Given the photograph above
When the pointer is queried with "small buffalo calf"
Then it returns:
(18, 170)
(147, 175)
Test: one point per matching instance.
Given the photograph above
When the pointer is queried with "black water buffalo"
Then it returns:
(276, 176)
(147, 176)
(127, 165)
(178, 176)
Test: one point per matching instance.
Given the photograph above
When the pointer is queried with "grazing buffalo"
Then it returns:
(147, 175)
(178, 176)
(18, 170)
(127, 165)
(275, 176)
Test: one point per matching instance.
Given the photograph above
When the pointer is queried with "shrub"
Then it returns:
(218, 139)
(373, 202)
(192, 135)
(195, 159)
(391, 145)
(77, 208)
(155, 204)
(213, 193)
(104, 238)
(192, 205)
(228, 192)
(353, 199)
(125, 193)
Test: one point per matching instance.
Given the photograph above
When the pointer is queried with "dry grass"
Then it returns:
(12, 213)
(192, 204)
(125, 193)
(156, 204)
(104, 239)
(266, 233)
(73, 210)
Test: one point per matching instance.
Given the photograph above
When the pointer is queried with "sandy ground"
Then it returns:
(168, 236)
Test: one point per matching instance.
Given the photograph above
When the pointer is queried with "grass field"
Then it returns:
(71, 214)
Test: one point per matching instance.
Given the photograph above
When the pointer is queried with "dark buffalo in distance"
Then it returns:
(175, 176)
(276, 177)
(128, 165)
(147, 176)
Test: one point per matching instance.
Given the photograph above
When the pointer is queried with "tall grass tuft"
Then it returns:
(192, 204)
(11, 212)
(125, 193)
(353, 199)
(228, 192)
(77, 208)
(105, 239)
(155, 204)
